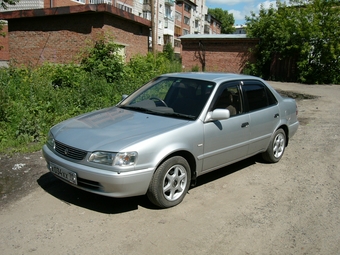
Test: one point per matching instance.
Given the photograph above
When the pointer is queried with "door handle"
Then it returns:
(245, 124)
(276, 115)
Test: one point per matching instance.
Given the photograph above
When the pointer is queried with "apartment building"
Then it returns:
(177, 18)
(172, 18)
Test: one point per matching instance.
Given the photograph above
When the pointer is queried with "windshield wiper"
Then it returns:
(140, 109)
(154, 111)
(180, 115)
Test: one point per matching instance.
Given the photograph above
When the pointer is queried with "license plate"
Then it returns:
(64, 173)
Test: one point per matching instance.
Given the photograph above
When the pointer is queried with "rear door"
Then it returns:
(264, 117)
(226, 141)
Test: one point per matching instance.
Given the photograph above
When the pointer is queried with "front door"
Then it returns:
(226, 141)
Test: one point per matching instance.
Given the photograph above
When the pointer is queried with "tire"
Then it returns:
(276, 147)
(170, 182)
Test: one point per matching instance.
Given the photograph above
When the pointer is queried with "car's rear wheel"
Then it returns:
(276, 147)
(170, 182)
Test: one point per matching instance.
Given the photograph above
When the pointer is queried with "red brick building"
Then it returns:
(58, 34)
(217, 53)
(4, 47)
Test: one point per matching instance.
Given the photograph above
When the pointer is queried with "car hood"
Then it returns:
(112, 129)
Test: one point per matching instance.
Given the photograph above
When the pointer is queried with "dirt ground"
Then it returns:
(292, 207)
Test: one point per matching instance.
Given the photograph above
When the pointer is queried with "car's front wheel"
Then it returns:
(276, 147)
(170, 182)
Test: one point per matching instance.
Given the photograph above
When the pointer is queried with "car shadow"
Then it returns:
(103, 204)
(227, 170)
(108, 205)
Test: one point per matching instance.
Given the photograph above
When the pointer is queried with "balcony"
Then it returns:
(178, 31)
(168, 27)
(169, 2)
(168, 17)
(197, 16)
(101, 2)
(147, 5)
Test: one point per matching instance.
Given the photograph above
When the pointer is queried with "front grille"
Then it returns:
(69, 152)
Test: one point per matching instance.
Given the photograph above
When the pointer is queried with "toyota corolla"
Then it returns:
(161, 138)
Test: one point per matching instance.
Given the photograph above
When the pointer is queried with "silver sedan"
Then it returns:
(159, 139)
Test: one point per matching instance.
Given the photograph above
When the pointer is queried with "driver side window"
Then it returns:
(229, 98)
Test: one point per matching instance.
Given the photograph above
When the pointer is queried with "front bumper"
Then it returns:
(103, 182)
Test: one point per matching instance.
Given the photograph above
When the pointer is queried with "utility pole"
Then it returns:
(153, 26)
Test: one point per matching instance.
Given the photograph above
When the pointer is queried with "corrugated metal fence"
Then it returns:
(283, 69)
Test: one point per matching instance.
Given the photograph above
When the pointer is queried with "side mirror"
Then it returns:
(218, 114)
(124, 96)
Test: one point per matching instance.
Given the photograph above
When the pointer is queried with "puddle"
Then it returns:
(296, 96)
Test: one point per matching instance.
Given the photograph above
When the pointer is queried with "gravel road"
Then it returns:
(292, 207)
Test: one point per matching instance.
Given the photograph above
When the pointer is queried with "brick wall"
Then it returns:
(59, 39)
(4, 50)
(223, 55)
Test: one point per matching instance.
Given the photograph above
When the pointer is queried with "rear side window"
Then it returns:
(257, 95)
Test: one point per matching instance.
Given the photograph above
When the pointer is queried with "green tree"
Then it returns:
(306, 29)
(104, 60)
(227, 19)
(169, 52)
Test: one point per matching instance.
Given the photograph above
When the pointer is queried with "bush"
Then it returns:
(195, 68)
(33, 100)
(104, 60)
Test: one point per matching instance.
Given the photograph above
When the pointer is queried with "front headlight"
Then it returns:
(102, 157)
(50, 140)
(126, 158)
(110, 158)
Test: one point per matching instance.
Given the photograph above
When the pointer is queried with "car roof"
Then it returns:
(211, 76)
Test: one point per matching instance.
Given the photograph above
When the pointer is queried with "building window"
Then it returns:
(96, 1)
(177, 43)
(124, 7)
(185, 32)
(186, 20)
(167, 39)
(121, 51)
(178, 16)
(147, 15)
(80, 1)
(168, 12)
(187, 7)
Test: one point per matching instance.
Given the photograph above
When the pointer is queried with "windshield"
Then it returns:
(171, 96)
